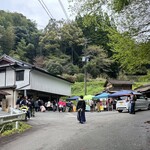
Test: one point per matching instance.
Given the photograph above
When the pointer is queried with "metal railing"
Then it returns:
(11, 118)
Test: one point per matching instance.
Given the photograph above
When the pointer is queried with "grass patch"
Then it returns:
(93, 87)
(9, 128)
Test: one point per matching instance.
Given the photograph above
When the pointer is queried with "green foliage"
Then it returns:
(49, 43)
(132, 56)
(55, 68)
(120, 4)
(71, 69)
(94, 29)
(72, 41)
(14, 28)
(93, 87)
(99, 62)
(69, 77)
(5, 36)
(145, 78)
(9, 128)
(60, 46)
(79, 77)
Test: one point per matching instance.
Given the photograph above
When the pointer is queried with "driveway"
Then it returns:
(102, 131)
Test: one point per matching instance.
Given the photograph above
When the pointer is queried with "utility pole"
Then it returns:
(85, 59)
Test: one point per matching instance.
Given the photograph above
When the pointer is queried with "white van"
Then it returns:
(141, 103)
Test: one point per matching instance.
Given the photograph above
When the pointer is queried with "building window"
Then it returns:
(20, 75)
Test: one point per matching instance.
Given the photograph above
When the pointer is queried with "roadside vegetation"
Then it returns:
(9, 128)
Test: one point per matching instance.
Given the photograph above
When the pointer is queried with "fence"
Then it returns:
(11, 118)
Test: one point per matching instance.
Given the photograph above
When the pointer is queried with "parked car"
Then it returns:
(141, 103)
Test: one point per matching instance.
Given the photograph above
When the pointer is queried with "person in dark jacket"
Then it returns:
(132, 103)
(81, 106)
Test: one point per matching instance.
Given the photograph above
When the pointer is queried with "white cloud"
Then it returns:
(33, 10)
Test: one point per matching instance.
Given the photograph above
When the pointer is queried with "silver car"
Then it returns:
(141, 103)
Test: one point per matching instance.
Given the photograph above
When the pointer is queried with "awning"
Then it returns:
(4, 93)
(73, 98)
(123, 93)
(102, 95)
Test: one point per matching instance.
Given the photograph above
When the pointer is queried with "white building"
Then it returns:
(18, 77)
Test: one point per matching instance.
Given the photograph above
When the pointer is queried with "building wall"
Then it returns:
(122, 87)
(10, 77)
(11, 99)
(46, 83)
(33, 80)
(7, 77)
(2, 78)
(26, 81)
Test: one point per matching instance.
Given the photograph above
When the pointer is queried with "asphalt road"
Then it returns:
(102, 131)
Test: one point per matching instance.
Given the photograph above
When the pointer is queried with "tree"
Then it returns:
(127, 15)
(72, 41)
(55, 69)
(20, 51)
(94, 29)
(15, 27)
(7, 39)
(132, 56)
(99, 63)
(120, 4)
(39, 61)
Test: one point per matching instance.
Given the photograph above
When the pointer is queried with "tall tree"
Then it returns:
(132, 56)
(7, 39)
(72, 41)
(99, 63)
(13, 28)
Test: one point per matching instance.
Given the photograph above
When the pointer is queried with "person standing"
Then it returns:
(91, 103)
(54, 105)
(132, 103)
(98, 105)
(18, 102)
(81, 106)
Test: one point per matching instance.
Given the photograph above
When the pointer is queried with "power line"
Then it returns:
(63, 9)
(46, 9)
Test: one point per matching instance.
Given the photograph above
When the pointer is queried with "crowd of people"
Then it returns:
(101, 105)
(30, 106)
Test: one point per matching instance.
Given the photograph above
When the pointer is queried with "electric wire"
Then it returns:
(62, 6)
(46, 9)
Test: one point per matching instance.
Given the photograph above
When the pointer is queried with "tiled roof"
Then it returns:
(118, 82)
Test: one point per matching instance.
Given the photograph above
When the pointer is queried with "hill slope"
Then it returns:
(94, 87)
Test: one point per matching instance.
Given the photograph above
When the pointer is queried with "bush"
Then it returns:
(79, 77)
(9, 128)
(69, 77)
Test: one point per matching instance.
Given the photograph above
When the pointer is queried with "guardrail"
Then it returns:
(12, 117)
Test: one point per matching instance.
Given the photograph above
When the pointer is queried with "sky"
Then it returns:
(33, 10)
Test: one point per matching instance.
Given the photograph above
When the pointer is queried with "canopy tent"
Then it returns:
(102, 95)
(123, 93)
(88, 97)
(74, 98)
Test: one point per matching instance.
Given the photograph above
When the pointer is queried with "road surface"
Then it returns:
(102, 131)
